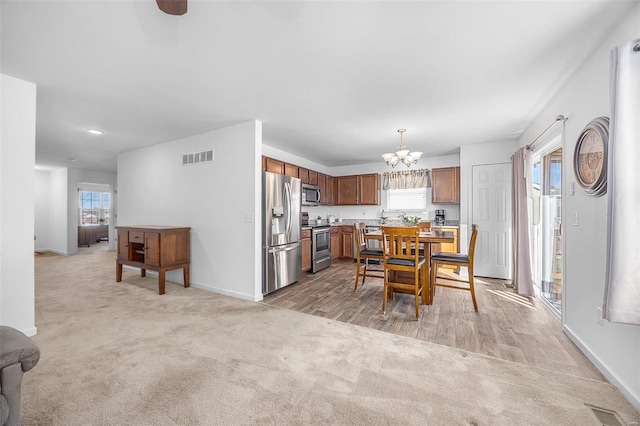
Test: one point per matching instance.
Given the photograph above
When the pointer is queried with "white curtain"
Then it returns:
(521, 256)
(420, 178)
(622, 287)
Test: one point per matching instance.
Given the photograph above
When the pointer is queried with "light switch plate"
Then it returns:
(248, 217)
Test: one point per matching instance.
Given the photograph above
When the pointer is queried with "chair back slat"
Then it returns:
(398, 240)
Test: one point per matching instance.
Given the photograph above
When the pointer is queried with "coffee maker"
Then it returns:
(440, 217)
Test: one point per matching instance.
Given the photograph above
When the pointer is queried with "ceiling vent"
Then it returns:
(197, 157)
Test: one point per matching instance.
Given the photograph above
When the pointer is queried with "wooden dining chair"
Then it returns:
(457, 260)
(364, 254)
(397, 259)
(424, 226)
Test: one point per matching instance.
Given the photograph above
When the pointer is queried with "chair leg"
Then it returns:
(473, 293)
(384, 295)
(355, 287)
(417, 295)
(432, 280)
(364, 275)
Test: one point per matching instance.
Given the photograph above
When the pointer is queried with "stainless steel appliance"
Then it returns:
(320, 243)
(439, 217)
(310, 195)
(281, 245)
(320, 247)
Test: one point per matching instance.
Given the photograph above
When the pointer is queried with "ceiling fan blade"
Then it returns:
(173, 7)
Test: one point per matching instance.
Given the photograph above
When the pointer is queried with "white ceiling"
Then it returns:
(331, 81)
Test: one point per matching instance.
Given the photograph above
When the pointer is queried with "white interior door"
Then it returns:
(491, 206)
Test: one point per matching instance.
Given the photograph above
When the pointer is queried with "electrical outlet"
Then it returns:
(600, 319)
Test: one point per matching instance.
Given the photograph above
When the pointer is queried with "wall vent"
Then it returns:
(197, 157)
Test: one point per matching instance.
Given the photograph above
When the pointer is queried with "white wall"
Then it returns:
(368, 212)
(17, 177)
(220, 201)
(42, 218)
(614, 348)
(59, 212)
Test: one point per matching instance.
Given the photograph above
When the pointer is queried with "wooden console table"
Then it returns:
(157, 248)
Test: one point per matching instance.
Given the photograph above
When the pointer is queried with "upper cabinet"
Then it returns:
(290, 170)
(342, 190)
(329, 191)
(445, 185)
(357, 190)
(273, 166)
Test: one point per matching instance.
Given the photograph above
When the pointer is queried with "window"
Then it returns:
(94, 208)
(407, 199)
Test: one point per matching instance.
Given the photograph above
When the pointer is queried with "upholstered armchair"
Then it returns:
(18, 354)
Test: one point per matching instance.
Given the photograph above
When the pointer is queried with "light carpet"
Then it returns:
(120, 354)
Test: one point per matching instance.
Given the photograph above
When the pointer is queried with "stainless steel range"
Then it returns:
(320, 244)
(320, 247)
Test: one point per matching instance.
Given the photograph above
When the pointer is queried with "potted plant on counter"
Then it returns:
(319, 220)
(411, 220)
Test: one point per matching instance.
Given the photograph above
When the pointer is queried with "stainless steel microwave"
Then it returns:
(310, 195)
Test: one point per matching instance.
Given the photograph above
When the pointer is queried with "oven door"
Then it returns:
(320, 249)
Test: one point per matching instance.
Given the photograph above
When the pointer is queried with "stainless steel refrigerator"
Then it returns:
(281, 245)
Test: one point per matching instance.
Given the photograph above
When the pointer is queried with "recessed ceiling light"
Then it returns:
(95, 132)
(71, 159)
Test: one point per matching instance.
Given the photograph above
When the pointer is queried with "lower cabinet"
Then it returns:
(453, 247)
(335, 242)
(306, 250)
(346, 239)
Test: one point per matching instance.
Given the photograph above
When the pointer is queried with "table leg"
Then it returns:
(161, 281)
(143, 272)
(426, 289)
(185, 276)
(118, 271)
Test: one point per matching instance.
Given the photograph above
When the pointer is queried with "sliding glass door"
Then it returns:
(547, 227)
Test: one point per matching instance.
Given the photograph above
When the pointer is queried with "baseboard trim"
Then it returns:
(31, 331)
(226, 292)
(200, 286)
(633, 398)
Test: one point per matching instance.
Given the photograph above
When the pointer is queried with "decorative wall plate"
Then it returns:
(590, 157)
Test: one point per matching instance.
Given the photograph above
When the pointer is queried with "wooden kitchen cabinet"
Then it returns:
(335, 242)
(274, 166)
(306, 250)
(329, 190)
(445, 185)
(453, 247)
(347, 190)
(290, 170)
(369, 189)
(322, 184)
(346, 239)
(157, 248)
(303, 174)
(358, 189)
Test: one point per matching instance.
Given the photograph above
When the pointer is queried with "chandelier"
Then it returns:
(402, 154)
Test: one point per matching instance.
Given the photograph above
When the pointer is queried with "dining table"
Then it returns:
(429, 239)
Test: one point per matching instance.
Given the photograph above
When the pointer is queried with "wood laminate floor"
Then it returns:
(507, 326)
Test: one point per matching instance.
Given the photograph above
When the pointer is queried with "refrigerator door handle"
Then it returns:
(287, 209)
